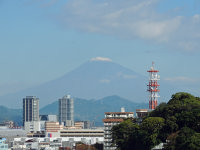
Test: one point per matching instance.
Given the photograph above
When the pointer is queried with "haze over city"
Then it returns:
(43, 40)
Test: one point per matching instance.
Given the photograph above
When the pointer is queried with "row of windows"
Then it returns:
(80, 136)
(81, 132)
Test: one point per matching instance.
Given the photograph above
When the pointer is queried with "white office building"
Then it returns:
(66, 111)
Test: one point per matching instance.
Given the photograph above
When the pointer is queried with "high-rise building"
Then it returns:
(31, 114)
(66, 111)
(30, 109)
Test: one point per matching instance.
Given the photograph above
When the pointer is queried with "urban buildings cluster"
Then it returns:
(55, 132)
(3, 146)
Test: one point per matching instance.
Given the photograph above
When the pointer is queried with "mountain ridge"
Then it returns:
(91, 80)
(92, 110)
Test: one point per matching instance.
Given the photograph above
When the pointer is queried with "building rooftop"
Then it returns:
(142, 110)
(12, 132)
(119, 113)
(113, 120)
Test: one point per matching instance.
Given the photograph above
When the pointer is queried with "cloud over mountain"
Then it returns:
(101, 59)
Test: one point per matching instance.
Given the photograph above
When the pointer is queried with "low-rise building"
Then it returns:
(7, 124)
(87, 136)
(53, 126)
(82, 124)
(36, 134)
(32, 126)
(111, 119)
(10, 134)
(73, 127)
(53, 129)
(3, 145)
(79, 124)
(140, 113)
(67, 139)
(46, 118)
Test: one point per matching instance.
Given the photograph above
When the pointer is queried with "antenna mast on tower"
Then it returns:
(153, 87)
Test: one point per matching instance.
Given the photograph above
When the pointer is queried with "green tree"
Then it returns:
(182, 110)
(177, 121)
(185, 139)
(122, 134)
(150, 129)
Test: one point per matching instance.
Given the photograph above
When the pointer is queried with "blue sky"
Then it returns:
(41, 40)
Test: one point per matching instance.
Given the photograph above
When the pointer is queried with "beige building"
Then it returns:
(87, 136)
(53, 126)
(79, 124)
(52, 129)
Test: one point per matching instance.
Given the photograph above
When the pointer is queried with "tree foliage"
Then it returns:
(184, 139)
(177, 122)
(124, 133)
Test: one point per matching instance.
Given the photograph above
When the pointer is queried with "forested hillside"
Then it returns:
(176, 124)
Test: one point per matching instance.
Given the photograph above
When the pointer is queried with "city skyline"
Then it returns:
(43, 40)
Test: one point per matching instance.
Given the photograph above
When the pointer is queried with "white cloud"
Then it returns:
(125, 76)
(181, 79)
(105, 81)
(133, 19)
(158, 30)
(101, 59)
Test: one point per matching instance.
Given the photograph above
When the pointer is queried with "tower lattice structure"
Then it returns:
(153, 87)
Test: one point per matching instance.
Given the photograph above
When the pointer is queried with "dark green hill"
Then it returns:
(11, 114)
(93, 110)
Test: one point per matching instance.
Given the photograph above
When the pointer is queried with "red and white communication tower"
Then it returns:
(153, 87)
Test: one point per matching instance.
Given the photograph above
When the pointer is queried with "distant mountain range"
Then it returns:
(92, 110)
(93, 79)
(7, 114)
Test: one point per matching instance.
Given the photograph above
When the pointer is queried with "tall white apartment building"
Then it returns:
(66, 111)
(111, 119)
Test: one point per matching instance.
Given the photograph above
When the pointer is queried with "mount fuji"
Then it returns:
(94, 79)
